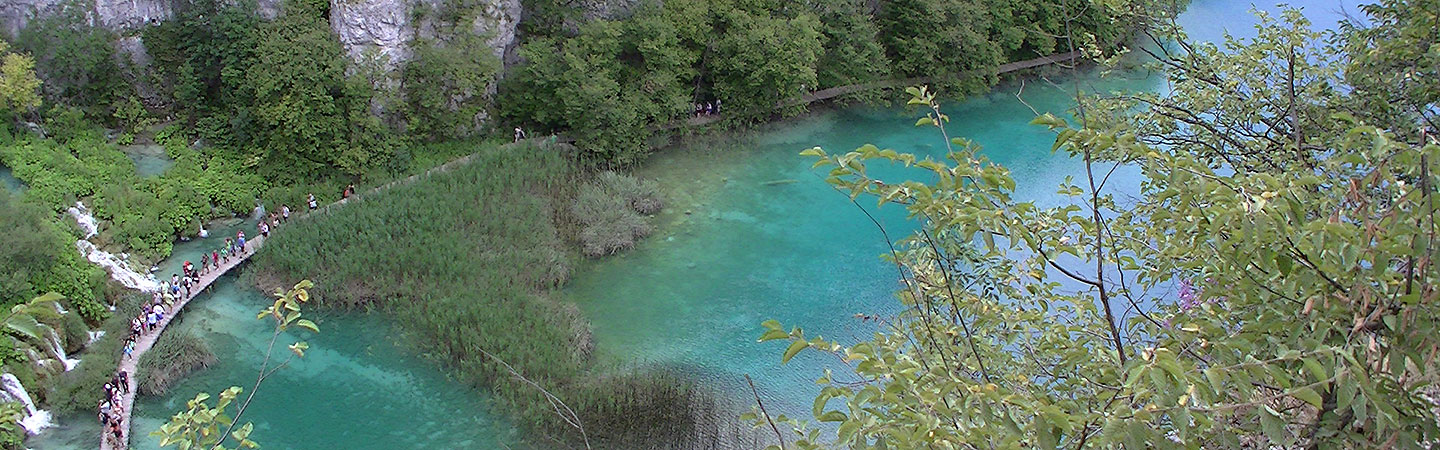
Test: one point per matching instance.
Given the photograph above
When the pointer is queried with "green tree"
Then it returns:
(447, 80)
(762, 60)
(1282, 273)
(201, 426)
(40, 257)
(76, 59)
(19, 88)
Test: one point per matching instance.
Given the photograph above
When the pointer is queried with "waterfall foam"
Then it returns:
(86, 220)
(35, 419)
(118, 267)
(60, 351)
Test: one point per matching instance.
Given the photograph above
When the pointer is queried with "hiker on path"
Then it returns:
(285, 213)
(519, 134)
(313, 203)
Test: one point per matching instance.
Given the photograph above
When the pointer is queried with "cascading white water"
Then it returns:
(60, 352)
(94, 336)
(87, 221)
(119, 268)
(35, 419)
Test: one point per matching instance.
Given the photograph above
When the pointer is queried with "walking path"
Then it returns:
(829, 93)
(147, 340)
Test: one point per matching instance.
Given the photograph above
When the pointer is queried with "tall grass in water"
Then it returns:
(175, 355)
(464, 261)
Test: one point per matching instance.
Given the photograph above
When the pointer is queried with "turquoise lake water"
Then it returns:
(740, 243)
(764, 238)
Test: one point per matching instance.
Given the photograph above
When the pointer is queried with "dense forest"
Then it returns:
(1288, 200)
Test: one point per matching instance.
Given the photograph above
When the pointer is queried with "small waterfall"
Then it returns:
(87, 221)
(94, 336)
(60, 352)
(119, 268)
(35, 419)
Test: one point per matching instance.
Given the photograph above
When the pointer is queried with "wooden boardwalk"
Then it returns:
(147, 340)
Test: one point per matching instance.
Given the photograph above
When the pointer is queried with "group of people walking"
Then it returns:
(180, 286)
(111, 407)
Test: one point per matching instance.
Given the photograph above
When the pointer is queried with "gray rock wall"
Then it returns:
(363, 27)
(385, 28)
(15, 14)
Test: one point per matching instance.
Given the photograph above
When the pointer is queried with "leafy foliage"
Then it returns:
(201, 426)
(31, 326)
(1299, 255)
(76, 60)
(19, 88)
(39, 257)
(610, 83)
(447, 79)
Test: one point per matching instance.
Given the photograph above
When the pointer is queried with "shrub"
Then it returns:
(76, 333)
(610, 209)
(78, 390)
(174, 355)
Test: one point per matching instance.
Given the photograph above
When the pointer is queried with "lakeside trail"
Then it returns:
(147, 340)
(829, 93)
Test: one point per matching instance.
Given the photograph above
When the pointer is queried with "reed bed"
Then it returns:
(464, 261)
(175, 355)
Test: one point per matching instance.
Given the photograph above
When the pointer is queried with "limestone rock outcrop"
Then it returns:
(363, 27)
(385, 28)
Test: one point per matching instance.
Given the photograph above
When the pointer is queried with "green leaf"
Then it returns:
(307, 324)
(771, 335)
(1285, 263)
(1309, 396)
(833, 416)
(795, 347)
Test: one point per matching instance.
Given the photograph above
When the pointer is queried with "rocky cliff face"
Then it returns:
(385, 28)
(379, 27)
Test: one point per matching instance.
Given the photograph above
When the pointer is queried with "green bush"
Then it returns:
(79, 389)
(38, 257)
(610, 209)
(174, 355)
(75, 333)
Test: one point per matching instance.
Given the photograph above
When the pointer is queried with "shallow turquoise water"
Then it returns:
(356, 388)
(690, 297)
(8, 180)
(693, 296)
